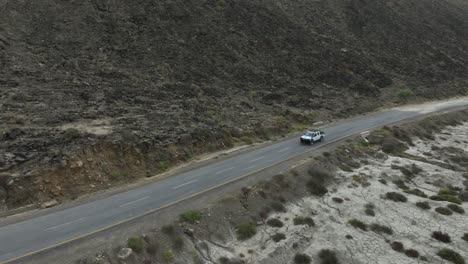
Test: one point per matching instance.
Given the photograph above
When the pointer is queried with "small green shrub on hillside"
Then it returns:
(168, 229)
(191, 216)
(443, 211)
(396, 197)
(465, 237)
(278, 237)
(397, 246)
(455, 208)
(423, 205)
(246, 231)
(442, 237)
(304, 221)
(412, 253)
(416, 192)
(168, 256)
(328, 256)
(302, 259)
(275, 223)
(380, 229)
(447, 198)
(137, 244)
(358, 224)
(405, 94)
(451, 256)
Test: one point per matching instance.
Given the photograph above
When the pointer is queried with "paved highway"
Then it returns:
(44, 232)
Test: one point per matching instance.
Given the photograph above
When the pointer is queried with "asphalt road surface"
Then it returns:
(44, 232)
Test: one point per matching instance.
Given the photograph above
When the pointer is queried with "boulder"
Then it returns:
(49, 204)
(124, 253)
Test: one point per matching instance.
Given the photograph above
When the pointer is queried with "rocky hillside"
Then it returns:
(94, 91)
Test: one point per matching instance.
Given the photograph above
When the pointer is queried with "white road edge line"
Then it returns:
(224, 170)
(187, 183)
(283, 150)
(259, 158)
(141, 199)
(71, 222)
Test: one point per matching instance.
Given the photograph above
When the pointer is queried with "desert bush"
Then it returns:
(396, 197)
(404, 94)
(328, 256)
(397, 246)
(423, 205)
(443, 211)
(168, 229)
(278, 237)
(392, 145)
(337, 200)
(455, 208)
(465, 237)
(401, 184)
(191, 216)
(448, 192)
(246, 231)
(380, 229)
(137, 244)
(278, 207)
(369, 209)
(164, 165)
(316, 188)
(358, 224)
(300, 220)
(319, 178)
(412, 253)
(416, 192)
(275, 223)
(302, 259)
(442, 237)
(168, 256)
(451, 256)
(447, 198)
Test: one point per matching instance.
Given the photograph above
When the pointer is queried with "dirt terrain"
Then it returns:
(399, 198)
(99, 92)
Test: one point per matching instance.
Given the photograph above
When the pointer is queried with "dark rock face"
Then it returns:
(197, 73)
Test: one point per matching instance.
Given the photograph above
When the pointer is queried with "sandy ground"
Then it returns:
(367, 185)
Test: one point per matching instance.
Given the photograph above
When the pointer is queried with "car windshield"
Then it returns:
(309, 134)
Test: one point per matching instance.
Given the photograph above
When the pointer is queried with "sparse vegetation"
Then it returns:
(300, 220)
(137, 244)
(412, 253)
(274, 222)
(465, 237)
(451, 256)
(246, 231)
(397, 246)
(447, 198)
(396, 197)
(278, 207)
(442, 237)
(456, 208)
(380, 229)
(328, 256)
(416, 192)
(423, 205)
(278, 237)
(358, 224)
(302, 259)
(369, 209)
(178, 243)
(168, 256)
(337, 200)
(405, 94)
(443, 211)
(168, 229)
(191, 216)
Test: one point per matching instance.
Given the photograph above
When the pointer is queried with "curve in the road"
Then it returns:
(35, 235)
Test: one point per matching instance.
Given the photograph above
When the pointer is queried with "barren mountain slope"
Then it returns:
(91, 89)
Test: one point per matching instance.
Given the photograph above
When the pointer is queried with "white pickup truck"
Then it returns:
(312, 136)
